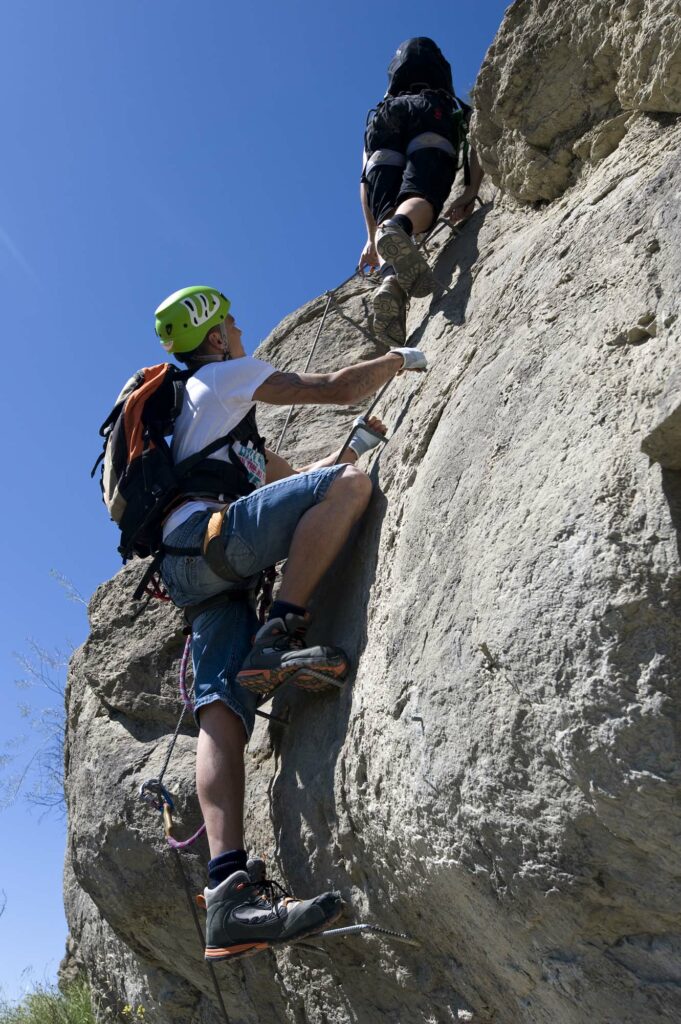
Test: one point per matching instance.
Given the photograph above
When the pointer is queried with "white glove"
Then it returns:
(364, 438)
(414, 359)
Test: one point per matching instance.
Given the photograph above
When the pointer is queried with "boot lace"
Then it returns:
(292, 639)
(265, 890)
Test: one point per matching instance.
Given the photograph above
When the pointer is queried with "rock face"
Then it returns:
(563, 82)
(500, 778)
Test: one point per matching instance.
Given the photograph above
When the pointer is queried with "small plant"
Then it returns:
(47, 1005)
(131, 1014)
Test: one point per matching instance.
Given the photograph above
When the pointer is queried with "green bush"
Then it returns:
(47, 1005)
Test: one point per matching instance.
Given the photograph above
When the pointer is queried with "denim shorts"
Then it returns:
(257, 532)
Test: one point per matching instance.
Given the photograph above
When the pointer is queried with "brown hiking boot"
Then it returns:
(396, 247)
(390, 312)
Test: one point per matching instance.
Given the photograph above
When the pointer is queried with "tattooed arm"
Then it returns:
(342, 387)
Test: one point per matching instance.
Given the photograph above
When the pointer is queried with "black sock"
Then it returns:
(387, 270)
(224, 865)
(280, 609)
(403, 222)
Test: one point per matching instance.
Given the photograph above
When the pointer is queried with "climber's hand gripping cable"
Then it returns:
(366, 435)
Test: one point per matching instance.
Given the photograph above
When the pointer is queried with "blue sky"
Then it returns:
(150, 145)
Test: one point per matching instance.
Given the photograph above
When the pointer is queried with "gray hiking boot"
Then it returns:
(390, 312)
(279, 655)
(242, 921)
(396, 247)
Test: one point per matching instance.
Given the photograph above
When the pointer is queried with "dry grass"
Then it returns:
(47, 1005)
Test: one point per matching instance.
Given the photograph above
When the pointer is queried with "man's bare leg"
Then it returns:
(321, 533)
(279, 651)
(220, 777)
(419, 211)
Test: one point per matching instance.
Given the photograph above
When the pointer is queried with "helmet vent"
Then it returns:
(208, 306)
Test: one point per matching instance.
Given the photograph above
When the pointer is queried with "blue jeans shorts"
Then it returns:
(257, 532)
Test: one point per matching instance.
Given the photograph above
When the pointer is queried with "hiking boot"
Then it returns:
(396, 247)
(242, 921)
(390, 312)
(279, 655)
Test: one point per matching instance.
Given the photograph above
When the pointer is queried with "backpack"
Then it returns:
(420, 63)
(139, 480)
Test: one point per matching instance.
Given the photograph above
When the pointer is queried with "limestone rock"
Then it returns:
(108, 667)
(663, 443)
(563, 81)
(500, 778)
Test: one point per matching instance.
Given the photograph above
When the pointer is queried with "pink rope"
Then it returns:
(186, 699)
(177, 845)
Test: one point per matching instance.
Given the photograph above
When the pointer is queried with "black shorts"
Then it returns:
(427, 172)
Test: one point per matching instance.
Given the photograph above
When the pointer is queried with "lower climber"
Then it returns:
(257, 510)
(411, 148)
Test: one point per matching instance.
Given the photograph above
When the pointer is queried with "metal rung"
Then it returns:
(357, 929)
(273, 718)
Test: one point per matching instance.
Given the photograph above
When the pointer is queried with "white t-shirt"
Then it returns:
(217, 398)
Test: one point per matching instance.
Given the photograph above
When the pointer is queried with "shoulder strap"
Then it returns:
(243, 430)
(461, 109)
(184, 467)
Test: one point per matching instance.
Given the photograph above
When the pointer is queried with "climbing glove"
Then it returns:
(414, 359)
(364, 438)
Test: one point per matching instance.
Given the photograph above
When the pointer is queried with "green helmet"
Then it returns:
(184, 319)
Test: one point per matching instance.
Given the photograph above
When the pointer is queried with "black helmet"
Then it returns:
(419, 64)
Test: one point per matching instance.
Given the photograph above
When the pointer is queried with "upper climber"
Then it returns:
(245, 509)
(411, 147)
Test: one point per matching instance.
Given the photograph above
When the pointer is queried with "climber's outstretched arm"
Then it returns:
(342, 387)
